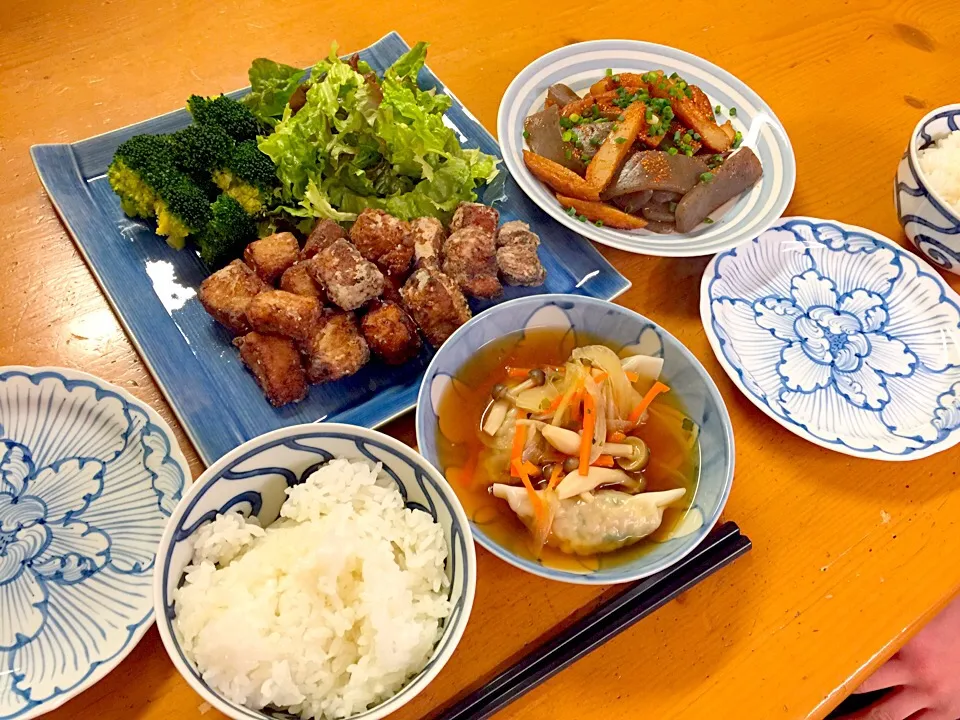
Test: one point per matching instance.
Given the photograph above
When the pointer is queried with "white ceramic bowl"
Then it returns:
(580, 65)
(253, 478)
(930, 223)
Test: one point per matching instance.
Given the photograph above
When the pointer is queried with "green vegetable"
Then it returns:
(582, 218)
(182, 210)
(198, 150)
(566, 123)
(609, 72)
(717, 110)
(271, 86)
(229, 230)
(708, 221)
(737, 139)
(599, 223)
(346, 149)
(571, 211)
(706, 177)
(567, 136)
(568, 153)
(672, 151)
(574, 118)
(620, 140)
(672, 206)
(233, 117)
(248, 176)
(526, 135)
(732, 112)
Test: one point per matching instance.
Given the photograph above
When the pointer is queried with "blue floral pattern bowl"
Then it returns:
(88, 477)
(621, 328)
(841, 337)
(253, 477)
(930, 223)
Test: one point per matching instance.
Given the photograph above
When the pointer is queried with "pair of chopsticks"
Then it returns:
(724, 545)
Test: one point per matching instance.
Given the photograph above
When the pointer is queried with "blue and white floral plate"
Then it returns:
(88, 477)
(840, 336)
(580, 65)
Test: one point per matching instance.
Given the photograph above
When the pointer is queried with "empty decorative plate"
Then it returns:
(582, 64)
(88, 477)
(840, 336)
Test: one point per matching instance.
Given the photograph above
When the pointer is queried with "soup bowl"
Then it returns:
(619, 328)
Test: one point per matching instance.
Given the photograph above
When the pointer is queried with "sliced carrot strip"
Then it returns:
(529, 467)
(604, 461)
(555, 404)
(515, 372)
(556, 476)
(641, 407)
(616, 437)
(466, 474)
(586, 440)
(535, 500)
(632, 376)
(600, 377)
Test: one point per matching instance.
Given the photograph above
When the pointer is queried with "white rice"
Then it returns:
(940, 164)
(329, 610)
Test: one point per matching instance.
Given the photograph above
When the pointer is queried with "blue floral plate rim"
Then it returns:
(924, 271)
(190, 359)
(72, 378)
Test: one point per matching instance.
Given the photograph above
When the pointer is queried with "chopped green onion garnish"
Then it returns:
(568, 153)
(566, 123)
(616, 78)
(696, 136)
(717, 110)
(732, 112)
(674, 76)
(672, 151)
(620, 117)
(620, 140)
(687, 139)
(571, 211)
(567, 136)
(737, 139)
(582, 218)
(676, 136)
(708, 221)
(596, 142)
(599, 223)
(706, 177)
(574, 118)
(525, 135)
(609, 72)
(688, 152)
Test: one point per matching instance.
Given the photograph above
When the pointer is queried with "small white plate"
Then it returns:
(840, 336)
(582, 64)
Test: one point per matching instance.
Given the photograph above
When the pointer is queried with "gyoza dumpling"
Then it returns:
(605, 521)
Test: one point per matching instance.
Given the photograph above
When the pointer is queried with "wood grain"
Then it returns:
(850, 556)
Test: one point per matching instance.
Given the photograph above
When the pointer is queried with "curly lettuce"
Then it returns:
(359, 143)
(271, 86)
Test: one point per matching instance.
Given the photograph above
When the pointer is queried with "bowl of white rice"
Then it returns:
(318, 571)
(927, 187)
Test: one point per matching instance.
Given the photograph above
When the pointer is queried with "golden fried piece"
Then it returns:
(513, 230)
(270, 256)
(611, 155)
(226, 294)
(559, 178)
(428, 236)
(517, 257)
(692, 113)
(348, 279)
(606, 214)
(435, 303)
(335, 348)
(383, 239)
(296, 279)
(469, 258)
(278, 312)
(324, 233)
(470, 214)
(275, 363)
(390, 333)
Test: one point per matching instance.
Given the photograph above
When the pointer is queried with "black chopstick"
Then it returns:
(721, 547)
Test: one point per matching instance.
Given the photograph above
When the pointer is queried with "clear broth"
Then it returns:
(672, 465)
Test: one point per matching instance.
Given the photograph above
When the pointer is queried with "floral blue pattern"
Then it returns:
(840, 336)
(87, 480)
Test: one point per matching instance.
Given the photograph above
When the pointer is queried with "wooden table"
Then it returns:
(850, 556)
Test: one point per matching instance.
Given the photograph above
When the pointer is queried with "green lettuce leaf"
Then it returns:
(271, 85)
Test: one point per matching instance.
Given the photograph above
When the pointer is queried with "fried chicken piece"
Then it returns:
(296, 279)
(270, 256)
(469, 258)
(226, 294)
(335, 348)
(348, 279)
(428, 236)
(275, 363)
(512, 230)
(390, 333)
(475, 215)
(435, 303)
(324, 233)
(517, 257)
(278, 312)
(383, 239)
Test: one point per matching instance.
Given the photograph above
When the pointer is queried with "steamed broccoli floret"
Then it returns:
(231, 116)
(248, 176)
(182, 209)
(228, 232)
(200, 149)
(141, 166)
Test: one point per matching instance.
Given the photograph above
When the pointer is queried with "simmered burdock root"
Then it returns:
(282, 313)
(275, 363)
(475, 215)
(517, 257)
(271, 255)
(435, 303)
(390, 333)
(296, 279)
(348, 279)
(335, 349)
(428, 236)
(226, 294)
(383, 239)
(324, 234)
(469, 258)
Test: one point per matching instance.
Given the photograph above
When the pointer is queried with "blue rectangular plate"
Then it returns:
(152, 289)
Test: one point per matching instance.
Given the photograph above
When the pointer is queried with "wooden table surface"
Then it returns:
(850, 556)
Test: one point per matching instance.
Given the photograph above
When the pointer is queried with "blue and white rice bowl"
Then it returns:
(927, 219)
(840, 336)
(88, 477)
(253, 479)
(580, 65)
